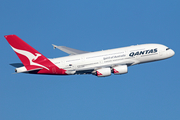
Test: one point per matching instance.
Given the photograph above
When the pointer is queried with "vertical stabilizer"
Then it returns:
(27, 54)
(33, 61)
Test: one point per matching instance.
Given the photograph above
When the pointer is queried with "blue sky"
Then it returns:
(149, 91)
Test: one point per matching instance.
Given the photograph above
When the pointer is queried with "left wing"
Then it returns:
(68, 50)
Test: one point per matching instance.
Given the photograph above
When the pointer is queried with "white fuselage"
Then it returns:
(101, 63)
(109, 58)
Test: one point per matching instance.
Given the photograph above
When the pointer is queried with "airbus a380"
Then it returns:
(100, 63)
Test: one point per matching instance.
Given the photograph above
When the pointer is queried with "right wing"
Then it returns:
(68, 50)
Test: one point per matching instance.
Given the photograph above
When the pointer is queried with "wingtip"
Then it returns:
(54, 46)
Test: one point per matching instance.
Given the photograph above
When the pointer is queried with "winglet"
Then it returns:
(54, 46)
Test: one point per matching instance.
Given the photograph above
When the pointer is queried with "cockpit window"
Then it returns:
(167, 48)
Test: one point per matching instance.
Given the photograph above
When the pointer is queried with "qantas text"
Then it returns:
(143, 52)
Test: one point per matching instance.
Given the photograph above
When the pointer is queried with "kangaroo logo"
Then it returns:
(31, 57)
(36, 57)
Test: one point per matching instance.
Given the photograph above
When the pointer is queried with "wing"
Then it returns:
(68, 50)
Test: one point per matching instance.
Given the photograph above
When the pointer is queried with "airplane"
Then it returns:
(101, 63)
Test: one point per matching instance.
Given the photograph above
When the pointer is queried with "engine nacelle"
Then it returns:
(103, 72)
(121, 69)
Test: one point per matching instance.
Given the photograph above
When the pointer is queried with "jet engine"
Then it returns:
(103, 72)
(121, 69)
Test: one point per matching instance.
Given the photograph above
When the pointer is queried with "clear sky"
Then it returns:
(149, 91)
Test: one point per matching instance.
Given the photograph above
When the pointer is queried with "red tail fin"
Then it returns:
(31, 58)
(27, 54)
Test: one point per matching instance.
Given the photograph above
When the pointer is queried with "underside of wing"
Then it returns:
(68, 50)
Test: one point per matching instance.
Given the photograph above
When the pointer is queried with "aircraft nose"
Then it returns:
(171, 52)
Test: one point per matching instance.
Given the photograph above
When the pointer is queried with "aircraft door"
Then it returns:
(71, 66)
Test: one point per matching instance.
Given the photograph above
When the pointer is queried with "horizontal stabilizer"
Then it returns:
(68, 50)
(16, 65)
